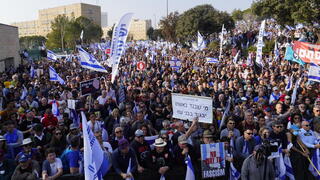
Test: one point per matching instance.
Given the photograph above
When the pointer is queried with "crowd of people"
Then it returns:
(35, 143)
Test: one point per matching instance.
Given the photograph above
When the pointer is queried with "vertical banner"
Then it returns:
(260, 44)
(120, 33)
(213, 162)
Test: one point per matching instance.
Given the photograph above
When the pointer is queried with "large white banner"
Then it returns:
(120, 33)
(187, 107)
(260, 43)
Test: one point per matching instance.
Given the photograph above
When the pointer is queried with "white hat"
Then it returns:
(275, 88)
(26, 141)
(159, 143)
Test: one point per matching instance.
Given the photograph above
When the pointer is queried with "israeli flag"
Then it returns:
(260, 44)
(190, 171)
(314, 73)
(175, 63)
(212, 60)
(69, 58)
(235, 59)
(129, 170)
(51, 55)
(94, 159)
(88, 61)
(55, 109)
(54, 76)
(294, 93)
(289, 170)
(32, 72)
(201, 42)
(234, 173)
(316, 161)
(74, 117)
(279, 166)
(24, 93)
(290, 84)
(249, 60)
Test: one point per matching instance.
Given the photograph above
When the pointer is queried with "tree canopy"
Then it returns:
(288, 12)
(168, 26)
(31, 42)
(66, 32)
(203, 18)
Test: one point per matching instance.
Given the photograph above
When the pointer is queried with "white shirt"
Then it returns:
(55, 166)
(102, 100)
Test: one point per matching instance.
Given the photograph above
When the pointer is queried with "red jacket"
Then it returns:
(49, 120)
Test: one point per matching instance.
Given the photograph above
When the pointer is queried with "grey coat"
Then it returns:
(250, 171)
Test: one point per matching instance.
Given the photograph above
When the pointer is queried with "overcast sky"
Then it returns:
(22, 10)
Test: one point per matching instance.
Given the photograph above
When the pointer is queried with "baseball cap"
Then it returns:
(73, 126)
(23, 158)
(123, 143)
(275, 88)
(287, 97)
(139, 133)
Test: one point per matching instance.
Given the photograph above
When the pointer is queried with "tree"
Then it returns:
(168, 26)
(57, 35)
(31, 42)
(110, 32)
(288, 12)
(203, 18)
(237, 15)
(92, 32)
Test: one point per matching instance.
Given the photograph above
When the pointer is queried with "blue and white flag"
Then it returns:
(249, 60)
(279, 166)
(129, 170)
(81, 35)
(295, 90)
(88, 61)
(175, 63)
(235, 59)
(54, 76)
(276, 52)
(150, 139)
(289, 170)
(190, 171)
(24, 93)
(120, 33)
(234, 173)
(32, 72)
(69, 58)
(51, 55)
(201, 42)
(94, 159)
(260, 44)
(316, 161)
(290, 84)
(314, 73)
(212, 60)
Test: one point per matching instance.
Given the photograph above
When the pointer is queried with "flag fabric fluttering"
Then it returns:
(276, 52)
(190, 171)
(51, 55)
(54, 76)
(249, 60)
(129, 170)
(88, 61)
(290, 84)
(289, 170)
(294, 93)
(94, 159)
(118, 44)
(223, 32)
(24, 93)
(290, 55)
(280, 166)
(260, 44)
(234, 173)
(32, 72)
(74, 117)
(201, 42)
(235, 59)
(81, 35)
(316, 161)
(314, 73)
(212, 60)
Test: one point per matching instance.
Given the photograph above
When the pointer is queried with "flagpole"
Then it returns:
(314, 167)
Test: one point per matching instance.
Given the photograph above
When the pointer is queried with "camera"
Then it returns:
(267, 147)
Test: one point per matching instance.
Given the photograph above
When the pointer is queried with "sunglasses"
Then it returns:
(279, 126)
(58, 133)
(307, 125)
(250, 133)
(118, 132)
(231, 123)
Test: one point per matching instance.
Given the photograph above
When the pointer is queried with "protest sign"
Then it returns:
(307, 52)
(89, 87)
(188, 107)
(212, 160)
